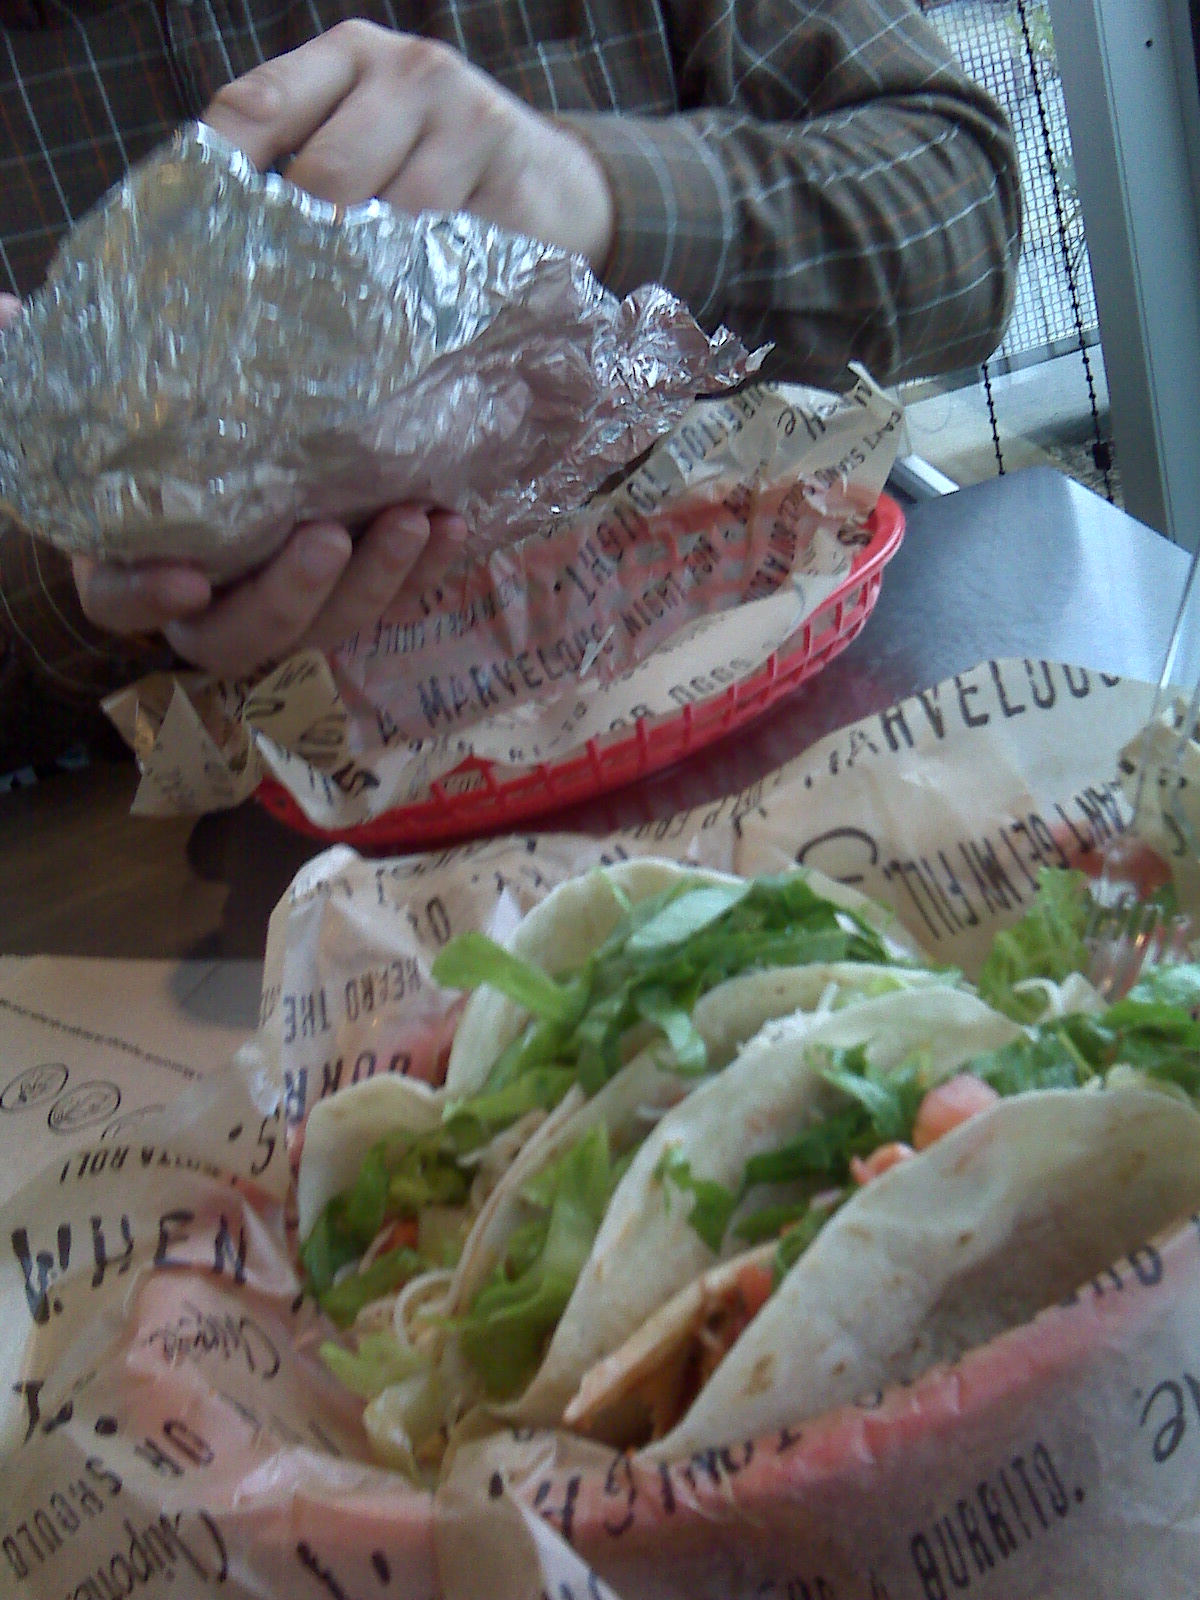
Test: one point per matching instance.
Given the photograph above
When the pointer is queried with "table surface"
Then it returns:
(1030, 564)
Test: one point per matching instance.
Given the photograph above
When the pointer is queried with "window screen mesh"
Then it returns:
(987, 38)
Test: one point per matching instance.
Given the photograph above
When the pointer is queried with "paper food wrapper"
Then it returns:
(168, 1428)
(710, 557)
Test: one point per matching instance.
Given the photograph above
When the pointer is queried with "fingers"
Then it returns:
(274, 110)
(10, 309)
(357, 152)
(443, 168)
(139, 599)
(264, 616)
(384, 557)
(317, 591)
(447, 536)
(363, 112)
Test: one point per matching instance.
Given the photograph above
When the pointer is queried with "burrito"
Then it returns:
(728, 1195)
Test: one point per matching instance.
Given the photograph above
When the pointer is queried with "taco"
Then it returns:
(682, 1247)
(412, 1200)
(923, 1219)
(792, 925)
(675, 1210)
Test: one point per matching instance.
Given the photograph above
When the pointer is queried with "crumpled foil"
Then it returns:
(217, 355)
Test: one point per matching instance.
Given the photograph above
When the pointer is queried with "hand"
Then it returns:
(364, 112)
(318, 590)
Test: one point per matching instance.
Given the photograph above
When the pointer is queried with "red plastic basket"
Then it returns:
(472, 799)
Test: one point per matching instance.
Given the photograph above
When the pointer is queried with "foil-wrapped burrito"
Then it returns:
(217, 355)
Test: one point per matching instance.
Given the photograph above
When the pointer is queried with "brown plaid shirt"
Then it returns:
(814, 172)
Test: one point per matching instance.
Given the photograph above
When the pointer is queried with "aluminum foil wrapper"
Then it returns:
(217, 355)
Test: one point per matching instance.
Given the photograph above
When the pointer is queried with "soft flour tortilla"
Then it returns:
(558, 935)
(341, 1130)
(646, 1249)
(612, 1403)
(573, 920)
(726, 1017)
(1004, 1216)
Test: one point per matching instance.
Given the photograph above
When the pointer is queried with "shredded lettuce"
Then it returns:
(473, 1121)
(347, 1225)
(1048, 942)
(665, 952)
(673, 1015)
(379, 1362)
(685, 916)
(882, 1107)
(795, 1239)
(713, 1204)
(401, 1177)
(344, 1299)
(473, 959)
(769, 1222)
(1152, 1030)
(505, 1330)
(398, 1178)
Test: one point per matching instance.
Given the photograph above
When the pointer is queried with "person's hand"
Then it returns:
(365, 113)
(318, 591)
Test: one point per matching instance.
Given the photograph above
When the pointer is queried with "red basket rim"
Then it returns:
(494, 803)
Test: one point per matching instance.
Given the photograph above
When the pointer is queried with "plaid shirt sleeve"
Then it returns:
(817, 173)
(841, 189)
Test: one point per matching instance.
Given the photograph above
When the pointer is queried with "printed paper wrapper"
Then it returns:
(168, 1428)
(706, 560)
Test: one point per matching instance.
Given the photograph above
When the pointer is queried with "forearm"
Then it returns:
(886, 234)
(834, 183)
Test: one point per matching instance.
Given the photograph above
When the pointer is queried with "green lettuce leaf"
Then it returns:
(882, 1108)
(1149, 1030)
(508, 1324)
(797, 1239)
(1048, 942)
(344, 1299)
(686, 915)
(713, 1204)
(472, 1122)
(347, 1224)
(425, 1171)
(472, 959)
(378, 1363)
(673, 1016)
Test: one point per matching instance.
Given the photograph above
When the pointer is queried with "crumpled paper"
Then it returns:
(217, 355)
(724, 546)
(168, 1428)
